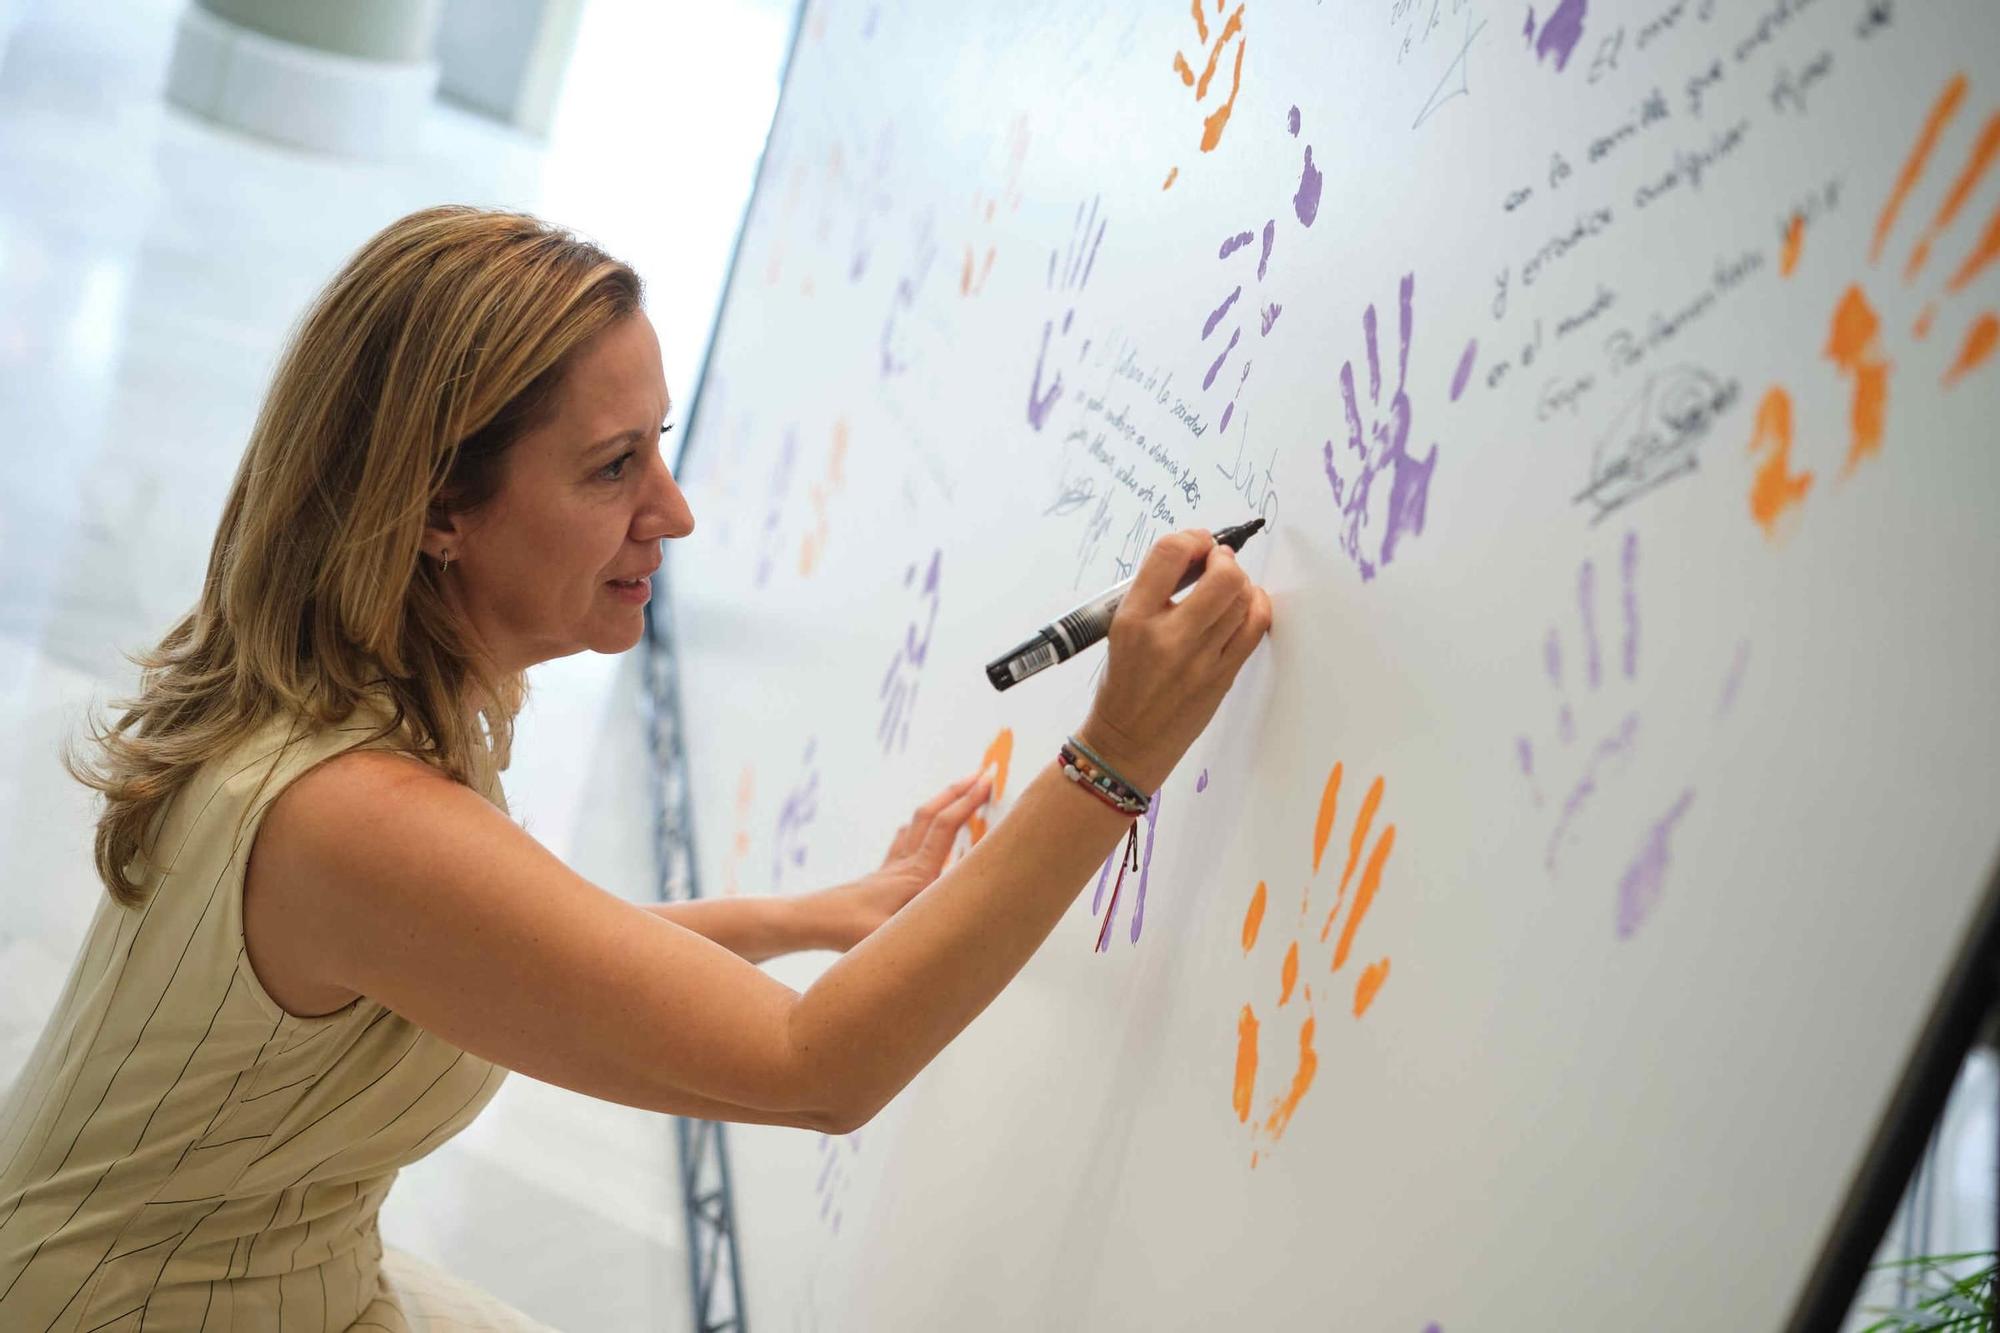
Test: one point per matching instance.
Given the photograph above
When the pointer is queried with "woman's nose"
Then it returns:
(666, 512)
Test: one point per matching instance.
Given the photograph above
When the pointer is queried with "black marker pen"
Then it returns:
(1091, 621)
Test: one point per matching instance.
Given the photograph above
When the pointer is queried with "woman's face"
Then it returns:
(560, 559)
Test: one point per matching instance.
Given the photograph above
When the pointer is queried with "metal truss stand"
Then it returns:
(715, 1281)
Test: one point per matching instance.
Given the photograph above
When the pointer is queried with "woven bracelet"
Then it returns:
(1085, 769)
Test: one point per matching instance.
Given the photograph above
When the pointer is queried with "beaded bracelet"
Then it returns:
(1131, 788)
(1085, 769)
(1081, 765)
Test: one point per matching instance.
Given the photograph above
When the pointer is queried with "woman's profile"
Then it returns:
(323, 942)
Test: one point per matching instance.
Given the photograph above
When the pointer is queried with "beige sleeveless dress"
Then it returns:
(180, 1153)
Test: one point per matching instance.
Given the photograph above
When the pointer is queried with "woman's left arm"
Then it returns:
(759, 928)
(754, 928)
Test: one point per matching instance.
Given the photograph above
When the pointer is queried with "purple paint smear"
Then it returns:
(898, 693)
(1586, 609)
(1464, 371)
(1552, 664)
(1524, 754)
(1561, 32)
(1144, 873)
(1215, 367)
(1639, 887)
(1215, 317)
(1305, 203)
(1201, 783)
(1630, 566)
(1041, 402)
(1292, 122)
(1235, 243)
(1615, 745)
(1734, 680)
(908, 286)
(1380, 446)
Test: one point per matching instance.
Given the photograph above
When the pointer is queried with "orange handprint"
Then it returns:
(819, 493)
(1270, 1126)
(1854, 341)
(992, 764)
(974, 269)
(1230, 30)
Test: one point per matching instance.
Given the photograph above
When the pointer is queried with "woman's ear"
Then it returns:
(444, 534)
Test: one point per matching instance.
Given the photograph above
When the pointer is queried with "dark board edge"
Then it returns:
(678, 463)
(1968, 994)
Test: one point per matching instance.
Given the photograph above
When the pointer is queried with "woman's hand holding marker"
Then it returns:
(1172, 662)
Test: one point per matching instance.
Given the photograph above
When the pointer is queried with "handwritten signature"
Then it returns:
(1653, 439)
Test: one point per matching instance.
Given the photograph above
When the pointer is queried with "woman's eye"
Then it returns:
(615, 469)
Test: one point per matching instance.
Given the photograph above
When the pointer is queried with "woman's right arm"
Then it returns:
(386, 879)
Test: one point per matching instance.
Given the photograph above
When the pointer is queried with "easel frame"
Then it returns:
(1969, 994)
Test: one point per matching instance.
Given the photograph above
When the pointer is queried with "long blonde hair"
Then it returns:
(440, 343)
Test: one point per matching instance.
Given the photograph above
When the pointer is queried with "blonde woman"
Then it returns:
(324, 941)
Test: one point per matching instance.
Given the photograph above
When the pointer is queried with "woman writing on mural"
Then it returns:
(324, 941)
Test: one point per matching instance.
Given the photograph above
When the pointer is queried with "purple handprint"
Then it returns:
(801, 807)
(1145, 870)
(1305, 207)
(895, 343)
(834, 1172)
(1379, 445)
(1069, 273)
(898, 694)
(781, 483)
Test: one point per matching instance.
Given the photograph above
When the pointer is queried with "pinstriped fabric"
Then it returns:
(180, 1153)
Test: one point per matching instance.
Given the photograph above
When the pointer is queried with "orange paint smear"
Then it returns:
(1982, 254)
(1233, 28)
(1364, 897)
(968, 283)
(1980, 340)
(1246, 1064)
(1283, 1108)
(1218, 120)
(1777, 488)
(1795, 237)
(998, 755)
(1290, 976)
(1329, 803)
(1852, 345)
(1168, 184)
(1941, 113)
(1370, 984)
(1976, 166)
(1254, 918)
(1200, 22)
(1182, 68)
(1362, 825)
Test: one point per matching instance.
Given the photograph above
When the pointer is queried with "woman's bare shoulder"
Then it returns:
(349, 834)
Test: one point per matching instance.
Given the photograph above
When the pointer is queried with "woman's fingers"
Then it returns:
(1160, 572)
(1249, 632)
(1231, 588)
(945, 825)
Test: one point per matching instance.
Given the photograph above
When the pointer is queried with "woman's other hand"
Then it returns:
(1171, 662)
(917, 855)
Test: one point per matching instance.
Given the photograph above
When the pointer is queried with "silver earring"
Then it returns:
(444, 561)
